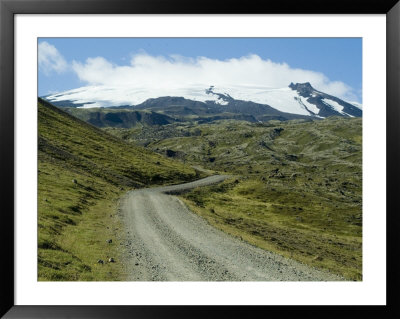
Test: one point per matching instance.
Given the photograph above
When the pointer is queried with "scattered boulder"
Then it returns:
(248, 134)
(276, 132)
(100, 261)
(291, 157)
(74, 181)
(111, 260)
(109, 241)
(170, 153)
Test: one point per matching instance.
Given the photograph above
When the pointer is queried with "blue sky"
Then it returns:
(64, 65)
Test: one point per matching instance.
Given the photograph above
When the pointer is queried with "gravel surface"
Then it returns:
(167, 242)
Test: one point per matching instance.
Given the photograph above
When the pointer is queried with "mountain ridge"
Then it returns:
(294, 101)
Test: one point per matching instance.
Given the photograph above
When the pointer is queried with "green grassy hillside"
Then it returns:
(82, 172)
(296, 190)
(121, 118)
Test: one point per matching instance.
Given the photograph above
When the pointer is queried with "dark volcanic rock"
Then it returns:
(170, 153)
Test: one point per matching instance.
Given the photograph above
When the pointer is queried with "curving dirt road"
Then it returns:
(167, 242)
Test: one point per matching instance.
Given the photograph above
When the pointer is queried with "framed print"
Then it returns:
(167, 159)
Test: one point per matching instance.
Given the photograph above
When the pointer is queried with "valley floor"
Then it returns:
(295, 191)
(167, 242)
(296, 187)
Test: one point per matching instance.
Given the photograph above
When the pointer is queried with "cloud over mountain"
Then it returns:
(173, 72)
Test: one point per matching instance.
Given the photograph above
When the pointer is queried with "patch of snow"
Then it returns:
(282, 99)
(344, 113)
(311, 107)
(356, 104)
(90, 105)
(221, 102)
(336, 106)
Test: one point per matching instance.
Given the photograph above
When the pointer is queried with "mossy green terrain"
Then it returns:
(82, 173)
(120, 117)
(296, 187)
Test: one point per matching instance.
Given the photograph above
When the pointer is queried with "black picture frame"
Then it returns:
(8, 8)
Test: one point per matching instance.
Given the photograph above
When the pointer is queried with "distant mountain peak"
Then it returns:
(304, 89)
(327, 105)
(306, 85)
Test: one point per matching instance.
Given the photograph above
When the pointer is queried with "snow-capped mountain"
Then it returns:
(323, 104)
(296, 99)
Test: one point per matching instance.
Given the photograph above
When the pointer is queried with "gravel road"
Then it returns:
(167, 242)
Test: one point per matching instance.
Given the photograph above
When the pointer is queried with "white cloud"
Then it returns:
(50, 59)
(176, 72)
